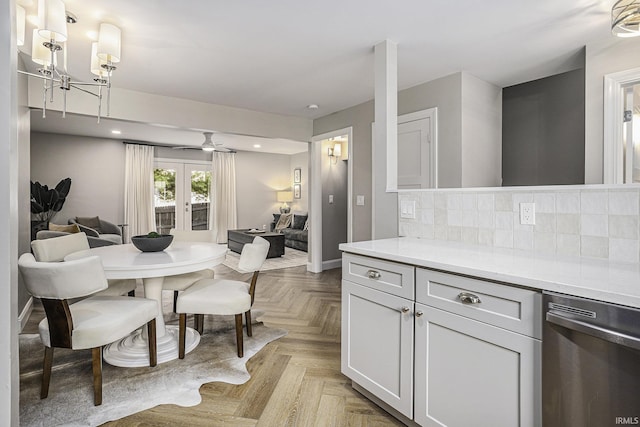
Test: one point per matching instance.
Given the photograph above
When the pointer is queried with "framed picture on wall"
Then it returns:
(296, 191)
(297, 175)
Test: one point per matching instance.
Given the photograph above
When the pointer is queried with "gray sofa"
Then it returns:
(295, 236)
(103, 233)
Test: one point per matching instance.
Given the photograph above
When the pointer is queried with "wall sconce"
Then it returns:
(284, 197)
(335, 153)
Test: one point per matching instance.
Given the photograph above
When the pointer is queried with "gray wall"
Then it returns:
(334, 215)
(446, 94)
(258, 177)
(359, 118)
(96, 169)
(543, 131)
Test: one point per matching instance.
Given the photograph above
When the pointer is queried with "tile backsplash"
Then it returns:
(592, 220)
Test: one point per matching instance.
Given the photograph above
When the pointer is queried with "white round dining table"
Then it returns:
(127, 262)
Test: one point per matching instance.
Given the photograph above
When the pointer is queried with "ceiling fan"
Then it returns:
(208, 145)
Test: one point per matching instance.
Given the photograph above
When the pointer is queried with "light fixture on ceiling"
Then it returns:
(625, 18)
(116, 132)
(312, 106)
(208, 144)
(335, 152)
(50, 38)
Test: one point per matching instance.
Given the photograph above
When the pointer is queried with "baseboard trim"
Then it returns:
(331, 264)
(24, 315)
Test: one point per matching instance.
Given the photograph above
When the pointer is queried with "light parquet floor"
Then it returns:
(296, 380)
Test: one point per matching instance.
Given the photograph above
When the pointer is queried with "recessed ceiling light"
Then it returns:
(116, 132)
(312, 106)
(257, 145)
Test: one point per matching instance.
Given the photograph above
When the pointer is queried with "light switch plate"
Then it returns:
(360, 200)
(408, 209)
(330, 198)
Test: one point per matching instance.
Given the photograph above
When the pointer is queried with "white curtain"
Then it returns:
(139, 211)
(224, 215)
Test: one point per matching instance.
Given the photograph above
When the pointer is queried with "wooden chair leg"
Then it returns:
(153, 343)
(175, 300)
(46, 372)
(239, 339)
(247, 317)
(181, 334)
(96, 362)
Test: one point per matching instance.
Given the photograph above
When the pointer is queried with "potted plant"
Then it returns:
(46, 203)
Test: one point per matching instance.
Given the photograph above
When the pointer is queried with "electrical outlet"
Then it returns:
(528, 213)
(408, 209)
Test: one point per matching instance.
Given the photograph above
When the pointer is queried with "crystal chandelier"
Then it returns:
(50, 38)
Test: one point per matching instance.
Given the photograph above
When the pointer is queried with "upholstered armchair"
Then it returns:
(223, 296)
(90, 323)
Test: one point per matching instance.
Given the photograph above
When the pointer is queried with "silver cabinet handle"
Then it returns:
(419, 313)
(405, 309)
(372, 274)
(468, 298)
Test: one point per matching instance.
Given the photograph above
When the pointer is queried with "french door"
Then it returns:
(182, 195)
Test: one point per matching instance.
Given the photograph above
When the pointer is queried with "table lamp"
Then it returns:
(284, 197)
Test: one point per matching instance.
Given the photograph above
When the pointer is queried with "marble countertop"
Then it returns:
(585, 277)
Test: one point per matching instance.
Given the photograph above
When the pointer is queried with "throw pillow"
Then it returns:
(73, 228)
(299, 221)
(91, 222)
(306, 225)
(283, 222)
(276, 217)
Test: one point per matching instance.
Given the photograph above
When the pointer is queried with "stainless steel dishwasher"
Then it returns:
(590, 363)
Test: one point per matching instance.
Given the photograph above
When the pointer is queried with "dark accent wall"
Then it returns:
(543, 131)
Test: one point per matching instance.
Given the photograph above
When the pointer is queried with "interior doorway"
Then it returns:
(182, 195)
(331, 198)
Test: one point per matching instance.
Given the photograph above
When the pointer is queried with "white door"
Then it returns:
(377, 344)
(414, 154)
(182, 195)
(469, 373)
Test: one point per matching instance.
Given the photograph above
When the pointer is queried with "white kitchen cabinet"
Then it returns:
(471, 373)
(377, 344)
(477, 355)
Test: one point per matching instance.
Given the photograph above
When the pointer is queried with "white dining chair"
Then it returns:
(180, 282)
(223, 296)
(56, 248)
(90, 323)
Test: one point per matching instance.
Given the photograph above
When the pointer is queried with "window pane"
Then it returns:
(165, 199)
(200, 203)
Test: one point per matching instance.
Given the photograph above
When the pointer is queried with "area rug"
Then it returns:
(291, 258)
(130, 390)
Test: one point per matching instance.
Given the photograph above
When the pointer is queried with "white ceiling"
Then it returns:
(279, 56)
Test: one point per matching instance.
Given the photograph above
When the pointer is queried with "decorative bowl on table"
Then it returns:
(154, 243)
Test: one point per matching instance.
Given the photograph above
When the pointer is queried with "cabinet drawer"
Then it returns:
(386, 276)
(515, 309)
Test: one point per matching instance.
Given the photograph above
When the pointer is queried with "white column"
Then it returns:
(385, 156)
(8, 217)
